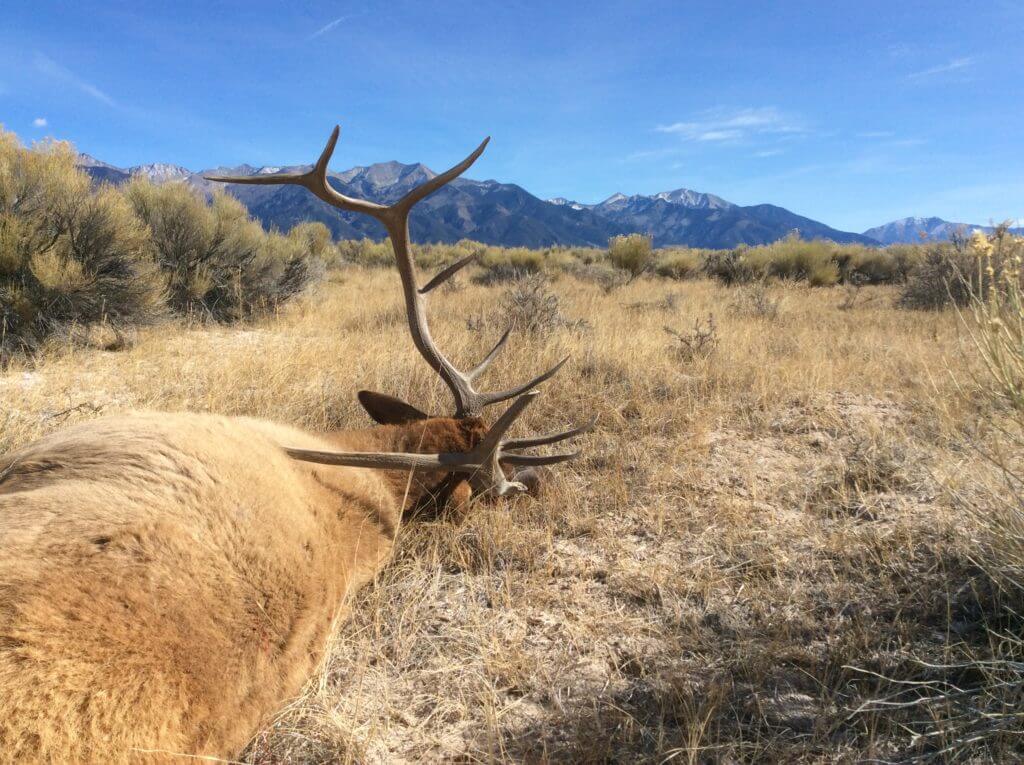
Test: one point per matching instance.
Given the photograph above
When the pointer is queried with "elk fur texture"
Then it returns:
(167, 581)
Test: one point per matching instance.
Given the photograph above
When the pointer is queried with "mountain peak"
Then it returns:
(87, 160)
(493, 212)
(160, 172)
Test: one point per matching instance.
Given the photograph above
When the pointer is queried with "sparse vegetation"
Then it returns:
(790, 542)
(756, 552)
(78, 260)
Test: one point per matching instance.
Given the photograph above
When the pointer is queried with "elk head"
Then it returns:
(483, 464)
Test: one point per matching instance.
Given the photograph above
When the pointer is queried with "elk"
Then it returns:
(169, 580)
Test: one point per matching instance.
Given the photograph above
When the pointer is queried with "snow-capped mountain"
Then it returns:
(915, 230)
(493, 212)
(160, 172)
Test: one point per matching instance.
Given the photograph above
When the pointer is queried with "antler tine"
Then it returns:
(483, 463)
(536, 460)
(447, 273)
(403, 205)
(377, 460)
(554, 438)
(315, 181)
(395, 218)
(493, 398)
(480, 368)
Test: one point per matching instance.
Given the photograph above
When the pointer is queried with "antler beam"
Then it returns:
(482, 464)
(395, 218)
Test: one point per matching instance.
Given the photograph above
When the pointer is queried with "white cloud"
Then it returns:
(876, 134)
(956, 64)
(722, 125)
(51, 68)
(328, 26)
(769, 153)
(39, 122)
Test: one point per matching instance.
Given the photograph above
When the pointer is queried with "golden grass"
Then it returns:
(749, 535)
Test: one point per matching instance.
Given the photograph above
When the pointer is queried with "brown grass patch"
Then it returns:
(748, 532)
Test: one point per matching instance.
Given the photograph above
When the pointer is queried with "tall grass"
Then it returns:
(996, 326)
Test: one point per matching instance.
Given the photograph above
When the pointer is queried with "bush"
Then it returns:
(631, 253)
(220, 264)
(876, 265)
(729, 266)
(68, 255)
(679, 264)
(947, 275)
(796, 259)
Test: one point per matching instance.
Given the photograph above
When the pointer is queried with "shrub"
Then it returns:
(876, 265)
(946, 275)
(678, 264)
(698, 343)
(631, 253)
(797, 259)
(367, 253)
(530, 306)
(728, 266)
(316, 241)
(754, 300)
(220, 264)
(68, 255)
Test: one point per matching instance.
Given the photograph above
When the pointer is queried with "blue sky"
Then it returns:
(853, 113)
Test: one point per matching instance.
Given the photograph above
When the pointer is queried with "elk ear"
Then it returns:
(388, 410)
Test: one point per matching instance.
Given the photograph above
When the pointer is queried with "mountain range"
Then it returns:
(932, 229)
(508, 215)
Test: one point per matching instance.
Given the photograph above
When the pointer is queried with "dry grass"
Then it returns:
(753, 538)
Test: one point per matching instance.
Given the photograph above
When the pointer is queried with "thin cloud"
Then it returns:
(876, 134)
(769, 153)
(51, 68)
(956, 64)
(39, 122)
(328, 27)
(723, 126)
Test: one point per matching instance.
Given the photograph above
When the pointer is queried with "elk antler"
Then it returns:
(482, 464)
(395, 218)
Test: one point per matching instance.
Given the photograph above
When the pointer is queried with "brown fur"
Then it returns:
(167, 581)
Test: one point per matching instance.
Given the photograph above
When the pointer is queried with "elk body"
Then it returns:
(168, 581)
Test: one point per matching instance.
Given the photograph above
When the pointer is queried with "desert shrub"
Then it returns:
(530, 306)
(796, 259)
(998, 314)
(316, 241)
(220, 263)
(876, 265)
(678, 263)
(698, 343)
(513, 260)
(632, 253)
(367, 252)
(753, 300)
(947, 275)
(502, 265)
(68, 254)
(728, 266)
